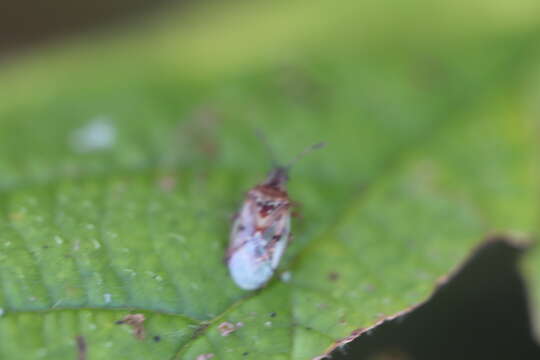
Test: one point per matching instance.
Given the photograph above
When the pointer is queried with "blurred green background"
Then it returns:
(125, 148)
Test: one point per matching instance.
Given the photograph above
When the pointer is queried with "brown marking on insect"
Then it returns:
(136, 322)
(276, 181)
(272, 191)
(270, 247)
(81, 347)
(276, 237)
(231, 251)
(269, 252)
(265, 210)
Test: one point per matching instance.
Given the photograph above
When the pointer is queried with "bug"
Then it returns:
(262, 228)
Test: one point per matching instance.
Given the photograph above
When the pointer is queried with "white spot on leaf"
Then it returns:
(41, 352)
(226, 328)
(286, 276)
(97, 134)
(107, 298)
(181, 239)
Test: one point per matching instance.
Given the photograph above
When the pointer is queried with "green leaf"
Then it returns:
(461, 319)
(122, 163)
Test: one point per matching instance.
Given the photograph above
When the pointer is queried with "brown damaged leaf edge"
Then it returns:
(479, 311)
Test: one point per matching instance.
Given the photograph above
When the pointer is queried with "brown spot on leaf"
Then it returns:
(333, 276)
(81, 347)
(136, 322)
(369, 288)
(199, 132)
(167, 183)
(16, 216)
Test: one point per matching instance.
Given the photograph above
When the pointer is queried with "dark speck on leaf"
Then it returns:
(245, 354)
(157, 338)
(333, 276)
(273, 314)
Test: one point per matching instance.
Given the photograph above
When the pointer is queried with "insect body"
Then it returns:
(261, 231)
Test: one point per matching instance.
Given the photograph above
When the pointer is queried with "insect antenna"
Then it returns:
(280, 173)
(303, 153)
(269, 149)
